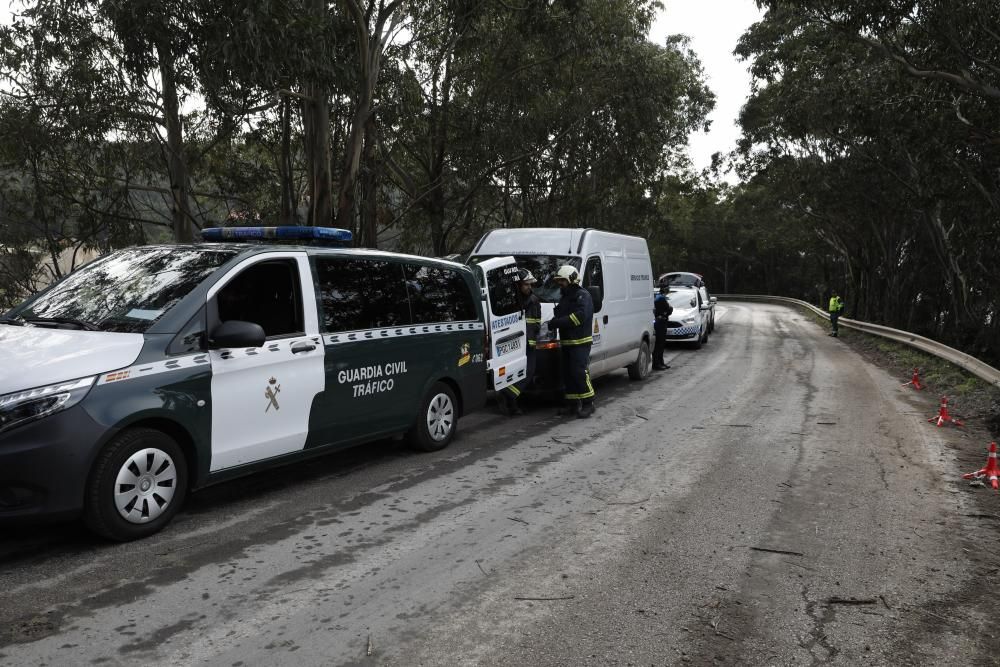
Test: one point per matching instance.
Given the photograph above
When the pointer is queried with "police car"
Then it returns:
(157, 370)
(691, 280)
(690, 318)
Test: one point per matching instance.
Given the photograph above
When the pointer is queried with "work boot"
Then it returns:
(585, 409)
(567, 409)
(515, 407)
(503, 403)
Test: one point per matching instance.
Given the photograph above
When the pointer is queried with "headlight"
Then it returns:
(27, 406)
(689, 320)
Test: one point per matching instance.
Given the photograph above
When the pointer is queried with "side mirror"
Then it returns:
(236, 333)
(597, 296)
(713, 299)
(705, 307)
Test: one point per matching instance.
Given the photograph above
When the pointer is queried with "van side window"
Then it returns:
(357, 294)
(438, 294)
(593, 274)
(267, 294)
(504, 296)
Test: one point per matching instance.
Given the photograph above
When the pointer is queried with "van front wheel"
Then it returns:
(437, 421)
(643, 364)
(137, 485)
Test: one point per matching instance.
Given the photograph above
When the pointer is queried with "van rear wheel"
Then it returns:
(136, 486)
(437, 421)
(643, 364)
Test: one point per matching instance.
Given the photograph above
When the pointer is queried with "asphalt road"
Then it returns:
(771, 499)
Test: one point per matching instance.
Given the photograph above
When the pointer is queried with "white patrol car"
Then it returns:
(690, 319)
(160, 369)
(695, 280)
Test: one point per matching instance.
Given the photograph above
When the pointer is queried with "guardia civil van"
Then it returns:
(615, 268)
(157, 370)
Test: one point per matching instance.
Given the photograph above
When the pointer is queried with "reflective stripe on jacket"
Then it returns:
(836, 305)
(532, 317)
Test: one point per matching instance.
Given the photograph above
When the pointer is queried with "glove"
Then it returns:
(552, 324)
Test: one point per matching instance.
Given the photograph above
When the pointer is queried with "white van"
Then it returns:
(616, 265)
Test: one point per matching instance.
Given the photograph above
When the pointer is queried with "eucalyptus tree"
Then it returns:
(878, 116)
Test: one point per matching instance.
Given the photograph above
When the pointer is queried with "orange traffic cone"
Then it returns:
(915, 380)
(991, 471)
(943, 417)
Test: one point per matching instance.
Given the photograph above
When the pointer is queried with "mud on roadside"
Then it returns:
(978, 404)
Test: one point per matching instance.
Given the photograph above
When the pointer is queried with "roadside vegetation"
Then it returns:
(969, 397)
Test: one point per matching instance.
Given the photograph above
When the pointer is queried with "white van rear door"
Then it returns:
(508, 341)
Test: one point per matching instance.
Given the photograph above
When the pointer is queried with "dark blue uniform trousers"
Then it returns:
(576, 376)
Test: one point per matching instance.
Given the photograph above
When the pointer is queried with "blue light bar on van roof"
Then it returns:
(316, 235)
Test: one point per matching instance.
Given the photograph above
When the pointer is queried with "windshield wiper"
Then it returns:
(87, 326)
(15, 321)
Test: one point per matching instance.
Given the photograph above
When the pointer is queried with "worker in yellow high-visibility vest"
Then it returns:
(836, 308)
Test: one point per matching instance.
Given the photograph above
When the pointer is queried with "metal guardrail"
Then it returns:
(964, 361)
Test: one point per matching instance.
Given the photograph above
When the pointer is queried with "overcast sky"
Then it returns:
(714, 26)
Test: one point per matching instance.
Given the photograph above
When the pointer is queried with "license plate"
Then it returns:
(508, 346)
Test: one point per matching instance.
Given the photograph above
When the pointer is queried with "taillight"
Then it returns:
(548, 345)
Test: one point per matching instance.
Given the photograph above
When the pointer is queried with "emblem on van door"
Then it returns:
(466, 357)
(271, 394)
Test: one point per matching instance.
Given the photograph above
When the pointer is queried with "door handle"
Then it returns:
(300, 347)
(605, 319)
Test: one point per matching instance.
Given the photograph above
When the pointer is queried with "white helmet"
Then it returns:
(524, 276)
(567, 272)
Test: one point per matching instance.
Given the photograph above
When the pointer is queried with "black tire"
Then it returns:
(161, 469)
(643, 365)
(697, 343)
(437, 420)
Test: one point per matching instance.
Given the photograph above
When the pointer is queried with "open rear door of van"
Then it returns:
(508, 340)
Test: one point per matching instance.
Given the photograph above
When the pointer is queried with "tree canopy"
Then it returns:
(416, 124)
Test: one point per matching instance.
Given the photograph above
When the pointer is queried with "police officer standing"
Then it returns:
(532, 308)
(574, 318)
(662, 310)
(836, 308)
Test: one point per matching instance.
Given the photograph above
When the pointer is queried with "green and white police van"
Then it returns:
(157, 370)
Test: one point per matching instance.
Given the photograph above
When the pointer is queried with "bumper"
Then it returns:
(44, 465)
(680, 333)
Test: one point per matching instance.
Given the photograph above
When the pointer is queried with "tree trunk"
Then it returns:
(369, 188)
(352, 162)
(288, 214)
(180, 209)
(316, 135)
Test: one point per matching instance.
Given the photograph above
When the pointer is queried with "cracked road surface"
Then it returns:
(771, 499)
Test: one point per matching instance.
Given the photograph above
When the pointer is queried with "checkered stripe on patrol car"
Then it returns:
(397, 332)
(682, 331)
(193, 360)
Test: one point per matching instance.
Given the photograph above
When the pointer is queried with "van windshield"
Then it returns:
(126, 292)
(543, 268)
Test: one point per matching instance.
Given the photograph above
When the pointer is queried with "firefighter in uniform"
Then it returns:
(532, 307)
(574, 318)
